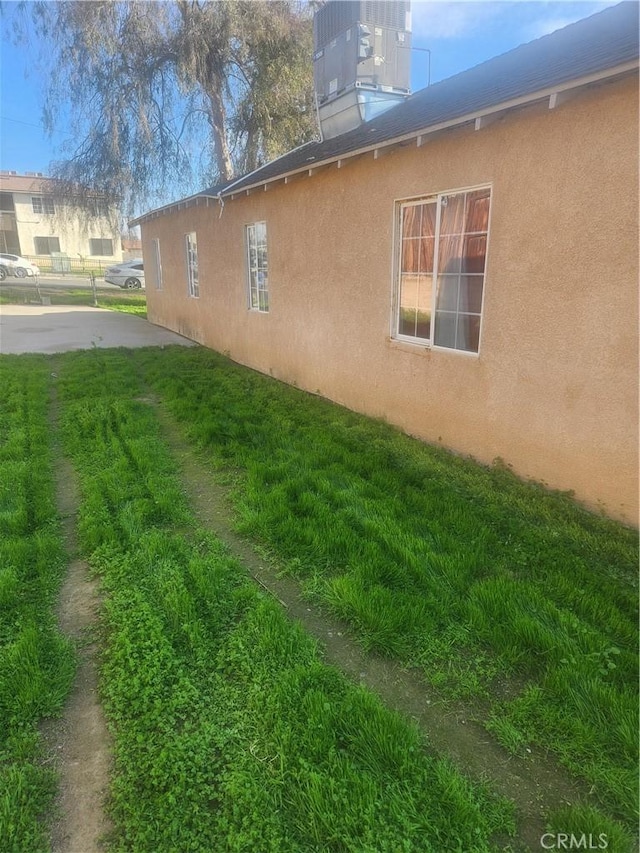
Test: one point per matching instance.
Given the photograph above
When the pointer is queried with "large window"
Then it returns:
(191, 246)
(42, 204)
(157, 262)
(257, 266)
(46, 245)
(100, 246)
(441, 258)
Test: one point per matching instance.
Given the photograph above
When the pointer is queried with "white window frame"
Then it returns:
(155, 243)
(193, 276)
(43, 205)
(436, 198)
(258, 293)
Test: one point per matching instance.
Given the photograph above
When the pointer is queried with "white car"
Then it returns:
(128, 274)
(15, 265)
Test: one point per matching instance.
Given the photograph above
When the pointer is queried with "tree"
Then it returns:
(188, 91)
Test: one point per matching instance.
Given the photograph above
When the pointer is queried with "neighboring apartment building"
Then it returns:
(33, 224)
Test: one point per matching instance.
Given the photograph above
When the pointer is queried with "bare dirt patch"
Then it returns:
(537, 784)
(78, 744)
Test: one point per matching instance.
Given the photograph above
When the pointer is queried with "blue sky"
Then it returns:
(458, 35)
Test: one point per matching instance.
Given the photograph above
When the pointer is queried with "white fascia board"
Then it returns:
(481, 116)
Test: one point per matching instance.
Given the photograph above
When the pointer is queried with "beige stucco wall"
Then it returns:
(554, 389)
(72, 231)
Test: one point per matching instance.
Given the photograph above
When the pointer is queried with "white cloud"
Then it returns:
(546, 24)
(442, 20)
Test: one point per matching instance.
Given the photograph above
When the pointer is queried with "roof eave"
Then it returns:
(173, 205)
(477, 117)
(466, 118)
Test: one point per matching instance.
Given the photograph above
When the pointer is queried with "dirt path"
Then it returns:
(79, 742)
(537, 785)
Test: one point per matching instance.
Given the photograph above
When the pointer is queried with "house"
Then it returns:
(33, 224)
(131, 248)
(464, 264)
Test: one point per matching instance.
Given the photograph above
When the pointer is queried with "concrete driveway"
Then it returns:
(58, 328)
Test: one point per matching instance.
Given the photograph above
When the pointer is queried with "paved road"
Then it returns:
(58, 328)
(70, 282)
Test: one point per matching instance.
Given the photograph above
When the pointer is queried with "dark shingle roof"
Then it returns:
(603, 41)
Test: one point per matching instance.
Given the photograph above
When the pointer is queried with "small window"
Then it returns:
(100, 246)
(441, 266)
(46, 245)
(191, 247)
(98, 207)
(257, 268)
(157, 263)
(41, 204)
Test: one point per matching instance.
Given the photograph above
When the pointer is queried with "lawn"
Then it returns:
(230, 732)
(36, 662)
(127, 301)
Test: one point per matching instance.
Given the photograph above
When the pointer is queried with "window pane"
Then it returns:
(470, 293)
(428, 223)
(46, 245)
(418, 232)
(478, 211)
(410, 256)
(253, 289)
(474, 252)
(468, 332)
(263, 300)
(445, 329)
(423, 325)
(452, 215)
(449, 254)
(447, 293)
(415, 306)
(411, 219)
(407, 322)
(427, 246)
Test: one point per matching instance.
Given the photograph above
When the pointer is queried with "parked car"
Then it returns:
(128, 274)
(15, 265)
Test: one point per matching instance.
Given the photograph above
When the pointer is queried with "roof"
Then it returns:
(595, 48)
(31, 182)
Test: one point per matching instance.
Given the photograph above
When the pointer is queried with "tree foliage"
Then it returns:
(165, 93)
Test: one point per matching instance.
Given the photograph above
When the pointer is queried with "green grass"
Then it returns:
(36, 663)
(230, 733)
(461, 569)
(125, 301)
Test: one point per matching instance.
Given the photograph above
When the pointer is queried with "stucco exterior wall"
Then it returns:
(74, 234)
(554, 388)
